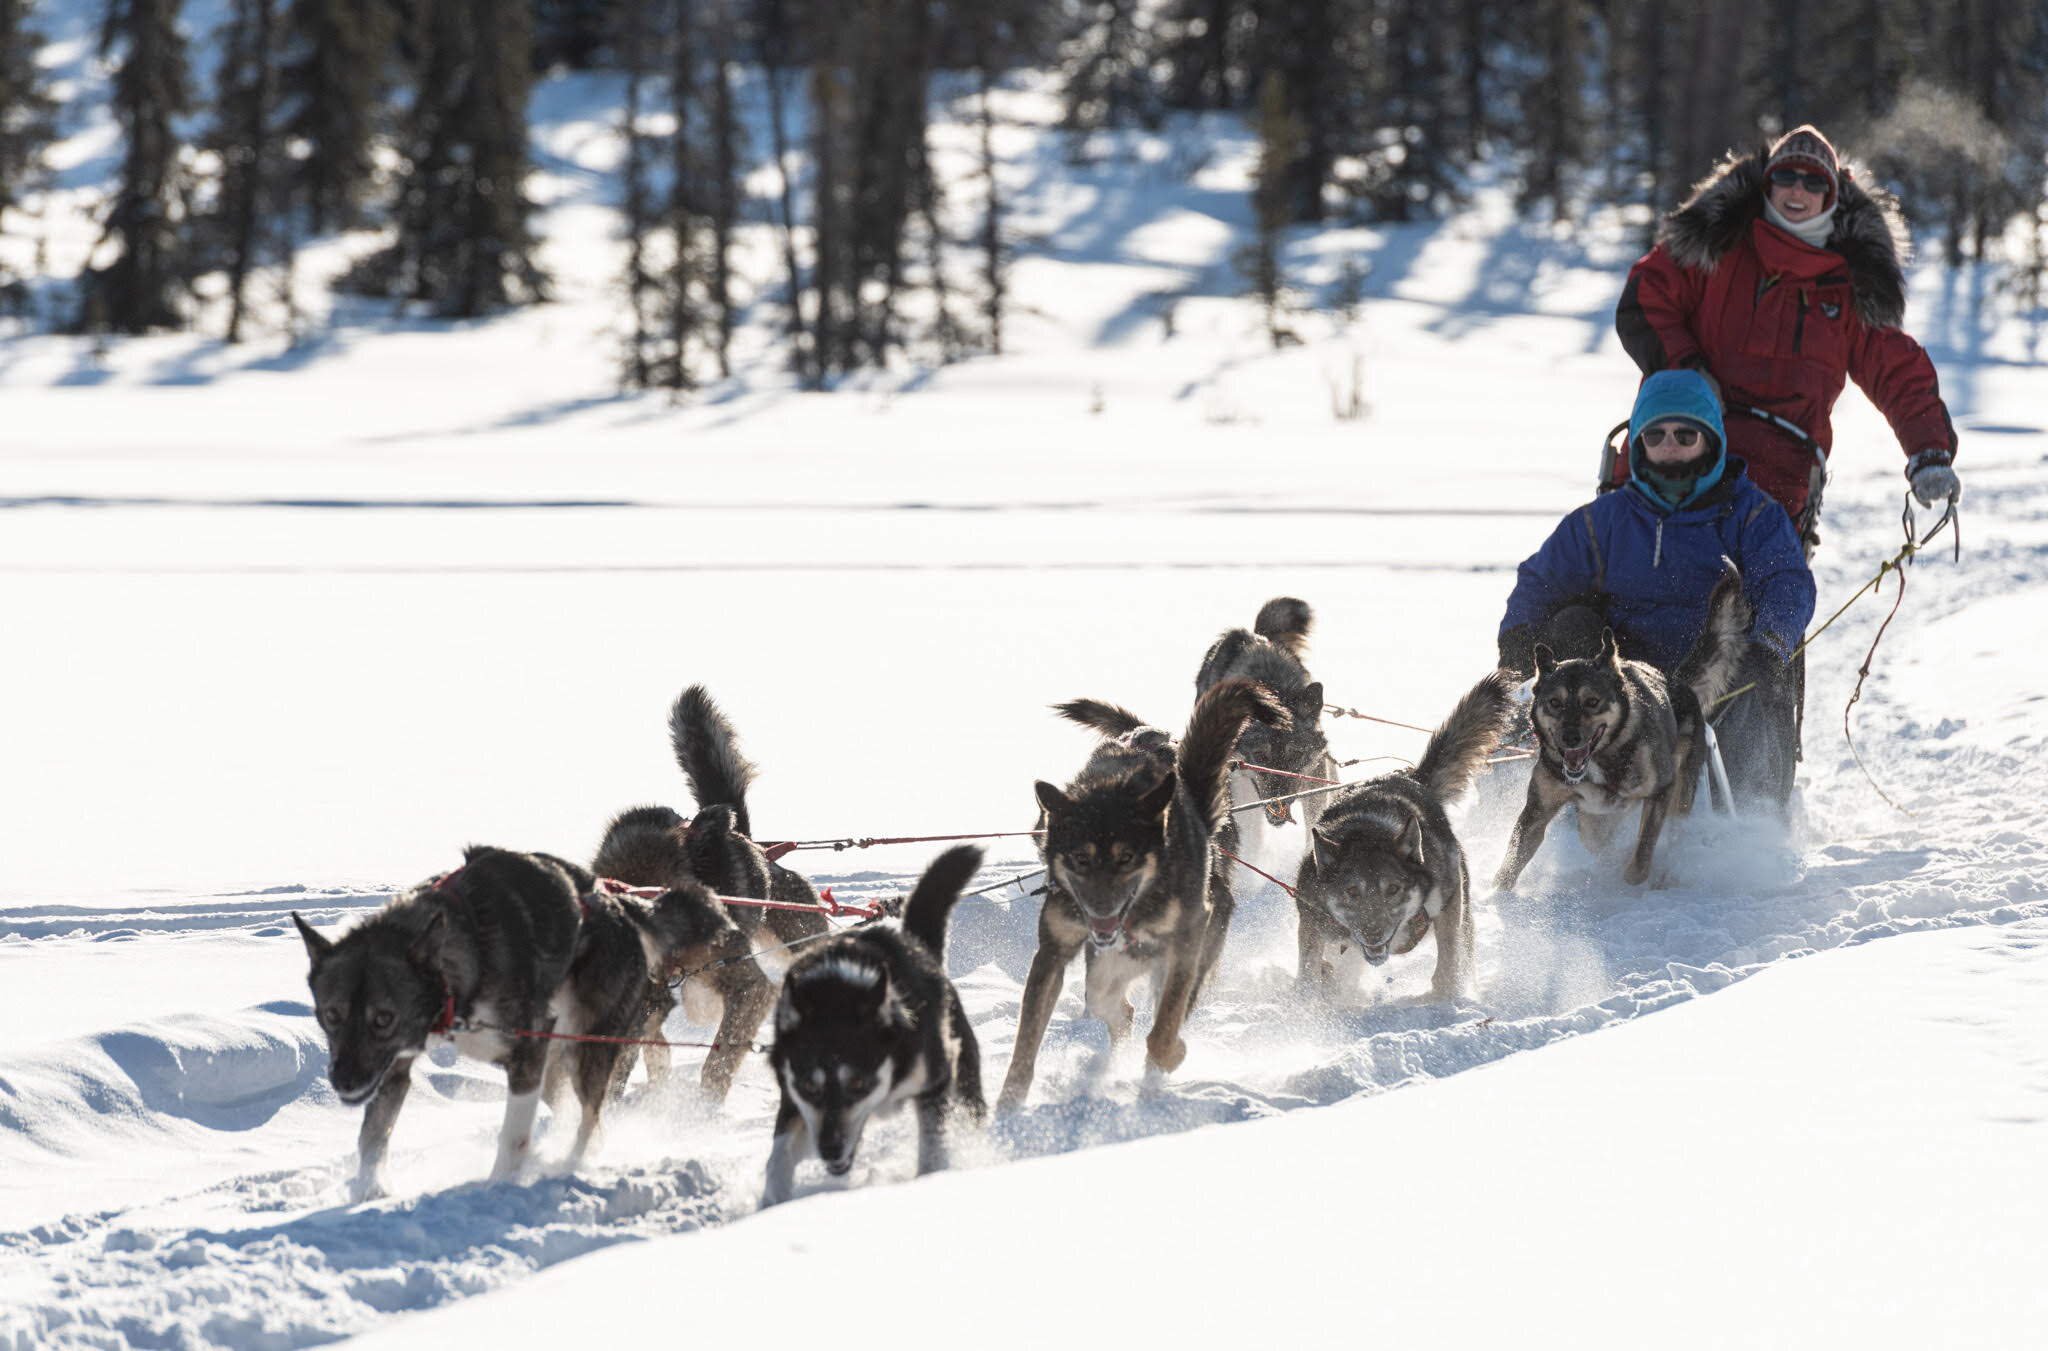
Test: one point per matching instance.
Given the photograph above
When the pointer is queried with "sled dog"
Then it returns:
(656, 847)
(1384, 867)
(1611, 733)
(1129, 849)
(491, 942)
(868, 1020)
(1271, 654)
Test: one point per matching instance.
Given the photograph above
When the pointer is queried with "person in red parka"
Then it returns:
(1779, 277)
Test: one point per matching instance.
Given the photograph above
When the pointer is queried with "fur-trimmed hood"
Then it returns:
(1869, 233)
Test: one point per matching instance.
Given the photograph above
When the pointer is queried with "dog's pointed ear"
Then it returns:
(1051, 798)
(1310, 705)
(426, 949)
(1546, 660)
(317, 948)
(1158, 797)
(1609, 653)
(1411, 841)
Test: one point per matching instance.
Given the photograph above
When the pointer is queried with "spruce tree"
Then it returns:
(140, 288)
(333, 88)
(465, 244)
(633, 41)
(245, 228)
(1281, 141)
(28, 116)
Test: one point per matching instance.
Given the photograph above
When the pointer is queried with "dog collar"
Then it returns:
(446, 1022)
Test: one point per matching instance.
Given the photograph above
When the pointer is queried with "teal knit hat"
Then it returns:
(1686, 396)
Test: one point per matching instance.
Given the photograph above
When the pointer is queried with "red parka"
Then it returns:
(1780, 324)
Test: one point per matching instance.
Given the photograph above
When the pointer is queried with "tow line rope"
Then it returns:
(1895, 564)
(782, 847)
(466, 1025)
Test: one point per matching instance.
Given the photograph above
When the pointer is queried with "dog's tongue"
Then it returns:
(1575, 760)
(1105, 929)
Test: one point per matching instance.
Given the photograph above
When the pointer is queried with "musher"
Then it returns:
(1779, 277)
(1643, 561)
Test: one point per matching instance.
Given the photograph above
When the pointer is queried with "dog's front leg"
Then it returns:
(792, 1138)
(522, 1101)
(1041, 992)
(932, 1155)
(375, 1137)
(748, 996)
(1544, 802)
(1454, 962)
(1655, 807)
(1163, 1045)
(1313, 935)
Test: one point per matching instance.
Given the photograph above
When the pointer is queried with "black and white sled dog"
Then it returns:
(867, 1021)
(1384, 866)
(656, 847)
(501, 946)
(1271, 653)
(1129, 848)
(1612, 733)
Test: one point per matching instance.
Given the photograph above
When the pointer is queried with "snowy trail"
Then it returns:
(266, 1255)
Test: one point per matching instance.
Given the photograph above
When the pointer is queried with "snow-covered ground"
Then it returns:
(288, 628)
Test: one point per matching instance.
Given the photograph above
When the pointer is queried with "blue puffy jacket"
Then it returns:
(1654, 567)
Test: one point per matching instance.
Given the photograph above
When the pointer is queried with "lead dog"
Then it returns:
(502, 942)
(1613, 733)
(1384, 867)
(1129, 850)
(868, 1020)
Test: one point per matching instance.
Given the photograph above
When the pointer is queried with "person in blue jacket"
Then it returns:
(1643, 559)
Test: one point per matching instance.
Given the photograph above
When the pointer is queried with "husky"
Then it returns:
(1611, 733)
(1271, 654)
(868, 1020)
(1129, 850)
(656, 847)
(1384, 867)
(491, 942)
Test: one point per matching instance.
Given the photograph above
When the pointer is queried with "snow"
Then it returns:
(293, 626)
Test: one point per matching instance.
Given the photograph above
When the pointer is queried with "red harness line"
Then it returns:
(591, 1036)
(1284, 774)
(1261, 872)
(829, 905)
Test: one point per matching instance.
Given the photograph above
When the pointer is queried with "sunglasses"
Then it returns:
(1815, 183)
(1685, 436)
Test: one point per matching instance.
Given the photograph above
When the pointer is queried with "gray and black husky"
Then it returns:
(1271, 654)
(1129, 849)
(656, 847)
(502, 941)
(1384, 867)
(1612, 733)
(867, 1021)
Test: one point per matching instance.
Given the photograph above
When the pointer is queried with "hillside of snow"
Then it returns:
(291, 625)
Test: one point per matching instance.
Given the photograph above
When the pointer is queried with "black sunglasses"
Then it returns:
(1684, 436)
(1814, 183)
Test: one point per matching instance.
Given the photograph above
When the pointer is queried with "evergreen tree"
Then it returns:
(1553, 132)
(1107, 67)
(333, 86)
(569, 33)
(634, 43)
(245, 226)
(28, 116)
(141, 287)
(464, 242)
(1281, 142)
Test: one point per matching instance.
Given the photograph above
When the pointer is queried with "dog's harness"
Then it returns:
(445, 1024)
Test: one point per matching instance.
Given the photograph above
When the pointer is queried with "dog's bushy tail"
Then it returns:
(708, 750)
(1284, 622)
(1458, 749)
(1220, 714)
(1108, 719)
(931, 904)
(1714, 665)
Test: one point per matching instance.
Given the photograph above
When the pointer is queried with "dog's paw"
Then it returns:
(1167, 1056)
(368, 1186)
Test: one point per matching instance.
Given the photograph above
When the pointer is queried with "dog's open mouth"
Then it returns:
(1377, 956)
(1105, 933)
(1575, 757)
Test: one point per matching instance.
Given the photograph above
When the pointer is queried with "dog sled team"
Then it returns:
(1658, 624)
